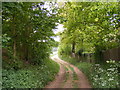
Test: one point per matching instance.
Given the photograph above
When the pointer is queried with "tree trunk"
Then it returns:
(14, 49)
(73, 47)
(14, 42)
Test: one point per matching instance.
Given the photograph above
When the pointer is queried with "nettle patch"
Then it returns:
(106, 77)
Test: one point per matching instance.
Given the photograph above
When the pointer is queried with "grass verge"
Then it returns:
(66, 75)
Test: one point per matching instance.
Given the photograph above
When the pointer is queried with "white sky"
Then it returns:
(60, 28)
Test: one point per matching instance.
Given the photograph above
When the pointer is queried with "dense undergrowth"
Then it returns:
(30, 77)
(102, 75)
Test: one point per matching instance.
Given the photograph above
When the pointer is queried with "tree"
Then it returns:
(29, 25)
(89, 25)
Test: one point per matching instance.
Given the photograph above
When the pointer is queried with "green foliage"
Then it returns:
(5, 40)
(64, 50)
(30, 77)
(91, 26)
(29, 27)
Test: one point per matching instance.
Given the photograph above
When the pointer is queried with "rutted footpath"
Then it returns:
(69, 76)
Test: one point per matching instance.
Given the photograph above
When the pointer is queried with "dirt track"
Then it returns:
(66, 79)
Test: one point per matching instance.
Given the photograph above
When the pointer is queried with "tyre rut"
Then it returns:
(59, 81)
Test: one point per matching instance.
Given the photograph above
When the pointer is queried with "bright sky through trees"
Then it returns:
(59, 29)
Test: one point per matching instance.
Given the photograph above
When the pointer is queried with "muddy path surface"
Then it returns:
(69, 76)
